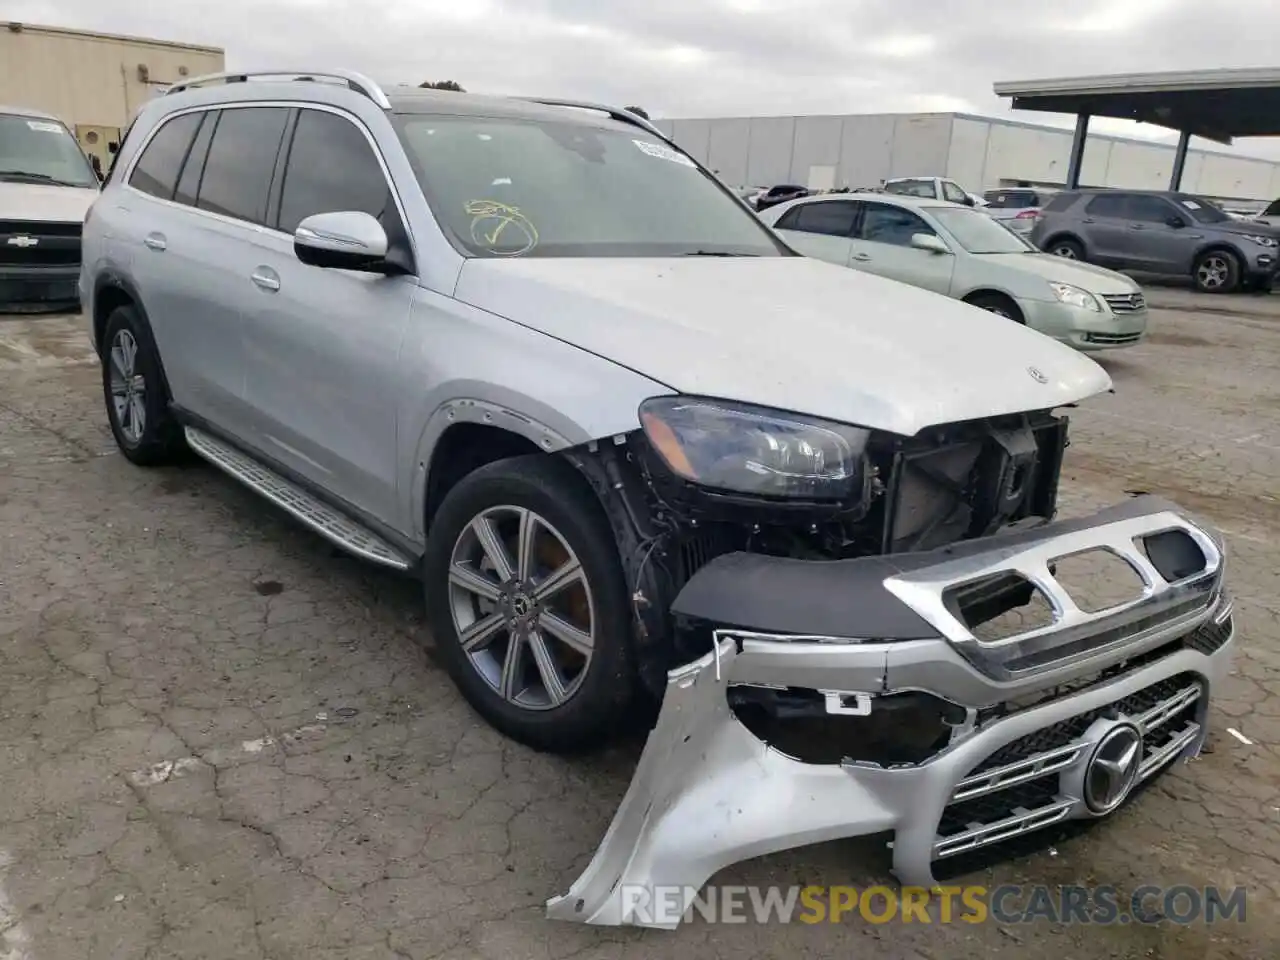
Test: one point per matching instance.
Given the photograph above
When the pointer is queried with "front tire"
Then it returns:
(1217, 271)
(133, 388)
(528, 605)
(998, 304)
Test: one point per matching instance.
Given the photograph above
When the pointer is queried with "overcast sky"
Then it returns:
(689, 58)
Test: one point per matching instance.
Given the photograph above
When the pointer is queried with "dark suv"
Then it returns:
(1160, 232)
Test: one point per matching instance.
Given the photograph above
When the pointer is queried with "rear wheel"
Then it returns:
(528, 605)
(134, 390)
(1216, 271)
(998, 304)
(1067, 248)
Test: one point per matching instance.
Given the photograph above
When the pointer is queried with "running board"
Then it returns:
(331, 524)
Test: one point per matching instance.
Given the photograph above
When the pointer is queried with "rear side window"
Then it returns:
(1061, 202)
(189, 181)
(331, 168)
(241, 161)
(1107, 205)
(832, 218)
(156, 171)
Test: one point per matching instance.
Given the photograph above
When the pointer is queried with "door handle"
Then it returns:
(266, 279)
(1088, 220)
(155, 241)
(1136, 226)
(861, 257)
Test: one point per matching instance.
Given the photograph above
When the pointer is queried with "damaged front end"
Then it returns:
(891, 681)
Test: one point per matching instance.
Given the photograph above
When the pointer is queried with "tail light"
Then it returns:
(1027, 215)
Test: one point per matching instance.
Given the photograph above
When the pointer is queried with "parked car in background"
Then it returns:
(46, 185)
(963, 253)
(1015, 207)
(780, 193)
(932, 188)
(1160, 232)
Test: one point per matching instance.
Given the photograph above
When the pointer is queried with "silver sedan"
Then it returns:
(963, 253)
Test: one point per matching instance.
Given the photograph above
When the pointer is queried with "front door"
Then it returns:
(883, 247)
(1156, 245)
(322, 346)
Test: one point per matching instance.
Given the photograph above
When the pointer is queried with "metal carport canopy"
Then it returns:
(1215, 104)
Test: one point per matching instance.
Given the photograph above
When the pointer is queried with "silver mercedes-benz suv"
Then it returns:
(640, 452)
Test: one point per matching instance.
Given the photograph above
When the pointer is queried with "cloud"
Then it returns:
(709, 57)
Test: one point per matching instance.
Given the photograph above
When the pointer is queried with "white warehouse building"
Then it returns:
(979, 153)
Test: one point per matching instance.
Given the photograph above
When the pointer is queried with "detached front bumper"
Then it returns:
(1129, 685)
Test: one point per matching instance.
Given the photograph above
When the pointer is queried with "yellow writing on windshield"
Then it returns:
(501, 228)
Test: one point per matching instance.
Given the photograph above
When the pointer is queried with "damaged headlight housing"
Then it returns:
(751, 450)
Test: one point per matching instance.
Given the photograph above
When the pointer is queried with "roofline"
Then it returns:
(1005, 121)
(114, 37)
(1138, 83)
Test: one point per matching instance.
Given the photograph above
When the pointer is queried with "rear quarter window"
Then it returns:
(156, 171)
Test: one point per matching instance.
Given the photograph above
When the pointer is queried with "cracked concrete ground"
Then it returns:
(219, 738)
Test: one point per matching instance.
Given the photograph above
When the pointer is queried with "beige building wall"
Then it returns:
(93, 82)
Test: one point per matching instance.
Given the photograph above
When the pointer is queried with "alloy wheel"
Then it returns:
(128, 387)
(1213, 272)
(1065, 251)
(522, 607)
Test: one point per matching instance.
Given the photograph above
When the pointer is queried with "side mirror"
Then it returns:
(930, 242)
(968, 201)
(347, 240)
(1176, 222)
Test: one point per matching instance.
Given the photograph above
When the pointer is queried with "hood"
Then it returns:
(45, 203)
(1091, 277)
(1244, 227)
(789, 333)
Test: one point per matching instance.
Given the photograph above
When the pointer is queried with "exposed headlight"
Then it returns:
(1075, 296)
(1261, 241)
(742, 449)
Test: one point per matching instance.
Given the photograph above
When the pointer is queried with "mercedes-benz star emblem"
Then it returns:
(1113, 769)
(1036, 375)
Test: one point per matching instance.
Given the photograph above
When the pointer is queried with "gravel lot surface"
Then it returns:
(219, 738)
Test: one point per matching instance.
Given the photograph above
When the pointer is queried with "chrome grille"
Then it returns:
(1125, 302)
(1016, 790)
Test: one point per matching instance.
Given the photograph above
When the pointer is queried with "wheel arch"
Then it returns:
(1226, 246)
(990, 292)
(110, 292)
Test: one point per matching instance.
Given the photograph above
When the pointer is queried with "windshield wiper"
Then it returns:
(42, 177)
(717, 253)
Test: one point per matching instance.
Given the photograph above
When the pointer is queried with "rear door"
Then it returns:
(1105, 228)
(323, 345)
(822, 229)
(883, 247)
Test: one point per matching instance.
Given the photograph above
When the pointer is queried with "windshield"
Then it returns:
(507, 187)
(979, 233)
(43, 151)
(1204, 211)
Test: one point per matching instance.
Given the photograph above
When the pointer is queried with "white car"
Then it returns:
(46, 186)
(963, 253)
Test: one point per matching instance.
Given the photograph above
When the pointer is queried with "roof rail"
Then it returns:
(617, 113)
(352, 80)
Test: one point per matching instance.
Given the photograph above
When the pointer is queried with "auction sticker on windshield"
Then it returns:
(662, 152)
(44, 126)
